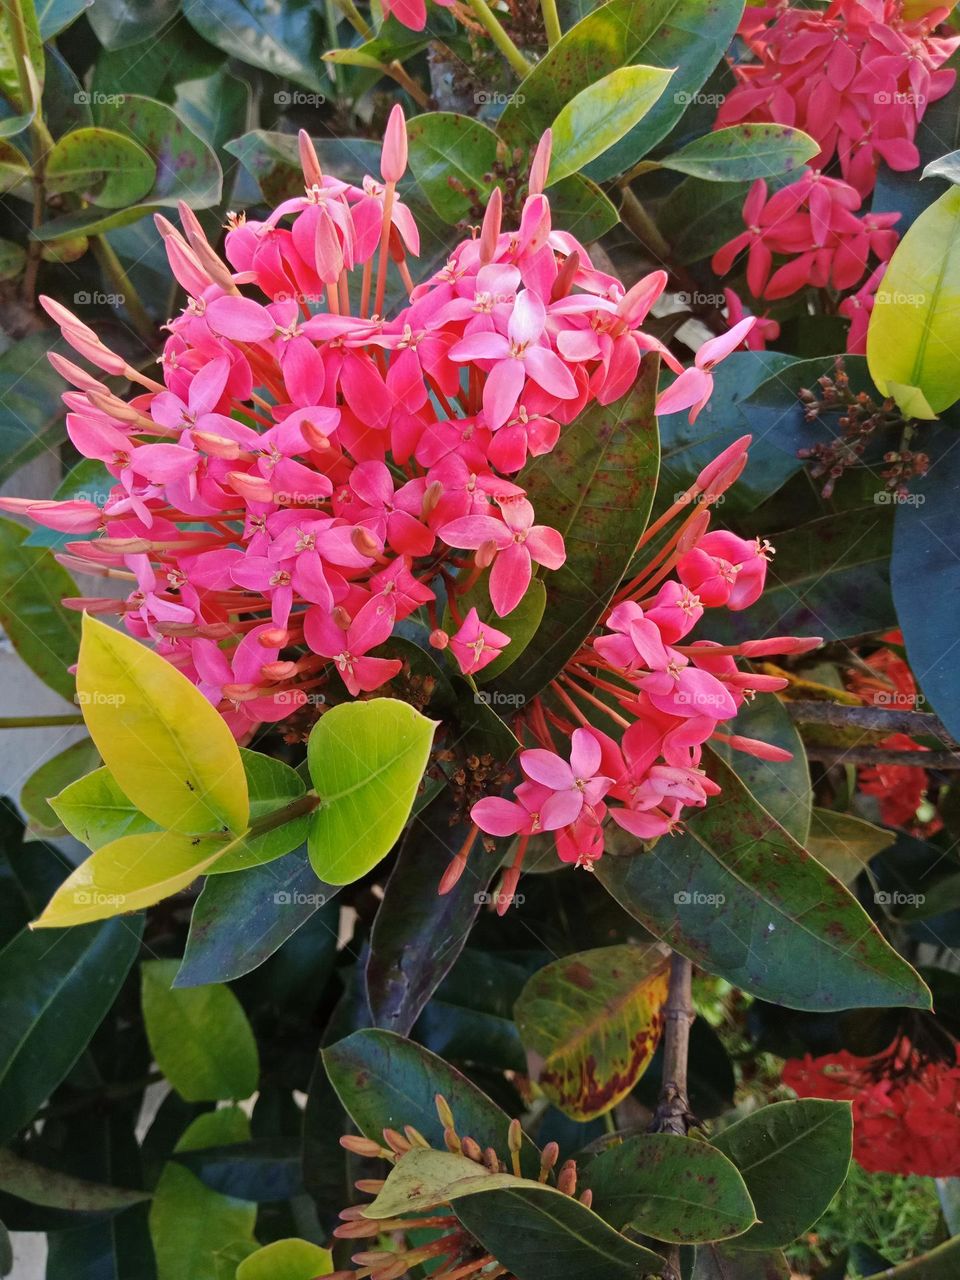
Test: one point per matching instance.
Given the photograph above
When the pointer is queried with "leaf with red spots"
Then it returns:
(743, 899)
(590, 1024)
(674, 1189)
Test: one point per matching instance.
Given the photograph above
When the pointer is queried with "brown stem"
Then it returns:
(885, 719)
(946, 760)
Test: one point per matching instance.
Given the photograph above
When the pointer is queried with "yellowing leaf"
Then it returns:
(594, 1020)
(366, 760)
(912, 350)
(601, 115)
(288, 1259)
(130, 873)
(166, 746)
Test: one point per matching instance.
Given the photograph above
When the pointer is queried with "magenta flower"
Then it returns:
(349, 648)
(574, 785)
(693, 387)
(477, 644)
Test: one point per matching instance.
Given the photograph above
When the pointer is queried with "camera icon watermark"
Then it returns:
(86, 298)
(693, 898)
(899, 298)
(487, 899)
(700, 299)
(298, 98)
(495, 698)
(285, 898)
(98, 698)
(493, 98)
(897, 899)
(898, 97)
(92, 98)
(699, 99)
(892, 498)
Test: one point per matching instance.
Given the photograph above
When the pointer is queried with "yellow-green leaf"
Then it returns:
(366, 760)
(166, 746)
(912, 349)
(591, 1022)
(289, 1259)
(129, 874)
(601, 115)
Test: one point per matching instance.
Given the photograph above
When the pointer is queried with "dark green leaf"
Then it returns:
(259, 1171)
(284, 41)
(57, 1190)
(743, 152)
(32, 584)
(123, 22)
(452, 158)
(727, 1263)
(31, 411)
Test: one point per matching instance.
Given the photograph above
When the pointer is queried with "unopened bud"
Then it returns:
(486, 553)
(364, 541)
(691, 535)
(780, 644)
(275, 638)
(439, 639)
(314, 436)
(278, 670)
(393, 158)
(253, 488)
(472, 1150)
(341, 617)
(309, 162)
(431, 496)
(717, 476)
(490, 231)
(567, 1178)
(548, 1158)
(565, 277)
(361, 1146)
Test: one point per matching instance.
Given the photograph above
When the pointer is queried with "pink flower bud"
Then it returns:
(393, 159)
(490, 231)
(780, 644)
(274, 638)
(439, 639)
(253, 488)
(540, 166)
(309, 163)
(717, 476)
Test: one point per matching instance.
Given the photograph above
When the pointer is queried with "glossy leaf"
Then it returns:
(740, 897)
(783, 788)
(286, 1260)
(272, 785)
(282, 41)
(520, 624)
(743, 152)
(166, 746)
(726, 1262)
(50, 1187)
(52, 776)
(845, 843)
(55, 990)
(118, 23)
(593, 1021)
(265, 1170)
(108, 168)
(671, 1188)
(601, 114)
(240, 920)
(129, 874)
(805, 1146)
(14, 169)
(96, 812)
(596, 488)
(685, 34)
(200, 1037)
(537, 1233)
(13, 259)
(384, 1081)
(189, 1223)
(54, 16)
(32, 584)
(910, 341)
(449, 152)
(423, 1179)
(366, 760)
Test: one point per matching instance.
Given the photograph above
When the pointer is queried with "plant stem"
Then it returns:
(398, 72)
(42, 141)
(295, 809)
(884, 719)
(354, 17)
(673, 1109)
(491, 24)
(945, 760)
(551, 21)
(37, 722)
(112, 268)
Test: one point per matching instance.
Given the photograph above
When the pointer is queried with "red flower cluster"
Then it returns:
(906, 1107)
(900, 789)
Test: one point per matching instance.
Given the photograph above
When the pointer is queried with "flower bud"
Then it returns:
(439, 639)
(393, 159)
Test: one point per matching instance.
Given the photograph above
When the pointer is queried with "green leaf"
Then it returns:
(56, 1190)
(199, 1036)
(31, 411)
(272, 160)
(596, 488)
(594, 1020)
(449, 152)
(282, 40)
(268, 1169)
(728, 1263)
(189, 1223)
(107, 168)
(286, 1260)
(166, 746)
(794, 1158)
(783, 788)
(96, 812)
(402, 974)
(537, 1234)
(740, 897)
(844, 843)
(186, 167)
(660, 33)
(55, 989)
(10, 58)
(54, 16)
(947, 166)
(13, 258)
(240, 920)
(911, 338)
(118, 23)
(423, 1179)
(580, 207)
(366, 760)
(671, 1188)
(53, 776)
(43, 632)
(385, 1081)
(272, 785)
(15, 171)
(599, 116)
(743, 152)
(129, 874)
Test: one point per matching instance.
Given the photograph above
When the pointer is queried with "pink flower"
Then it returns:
(517, 541)
(692, 388)
(349, 647)
(573, 785)
(477, 644)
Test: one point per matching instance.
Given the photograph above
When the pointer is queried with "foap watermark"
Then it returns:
(493, 98)
(94, 898)
(699, 99)
(693, 898)
(894, 698)
(98, 698)
(891, 498)
(898, 298)
(688, 499)
(702, 700)
(495, 698)
(897, 899)
(487, 899)
(298, 98)
(898, 97)
(92, 98)
(698, 299)
(288, 898)
(96, 298)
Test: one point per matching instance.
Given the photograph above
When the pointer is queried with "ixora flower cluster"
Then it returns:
(311, 473)
(906, 1105)
(858, 77)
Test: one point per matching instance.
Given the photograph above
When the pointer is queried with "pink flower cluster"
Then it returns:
(814, 224)
(855, 76)
(309, 471)
(661, 696)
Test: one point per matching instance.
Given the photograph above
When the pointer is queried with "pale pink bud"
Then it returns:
(314, 436)
(329, 251)
(694, 531)
(541, 164)
(341, 617)
(364, 541)
(217, 446)
(393, 159)
(278, 670)
(780, 644)
(490, 231)
(73, 373)
(69, 517)
(309, 163)
(486, 553)
(431, 496)
(761, 750)
(251, 487)
(439, 639)
(565, 277)
(275, 638)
